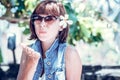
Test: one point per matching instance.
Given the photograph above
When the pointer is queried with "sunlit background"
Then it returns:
(95, 33)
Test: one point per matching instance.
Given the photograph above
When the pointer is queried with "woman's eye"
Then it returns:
(49, 18)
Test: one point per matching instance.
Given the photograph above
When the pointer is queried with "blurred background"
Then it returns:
(95, 33)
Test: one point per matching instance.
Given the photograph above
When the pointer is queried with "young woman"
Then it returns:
(49, 58)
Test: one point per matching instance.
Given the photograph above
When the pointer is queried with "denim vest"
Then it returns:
(53, 64)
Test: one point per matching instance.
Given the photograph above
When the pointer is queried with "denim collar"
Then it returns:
(38, 47)
(53, 46)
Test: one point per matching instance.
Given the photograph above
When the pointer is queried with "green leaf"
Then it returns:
(1, 56)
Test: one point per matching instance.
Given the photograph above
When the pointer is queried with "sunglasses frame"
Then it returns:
(41, 18)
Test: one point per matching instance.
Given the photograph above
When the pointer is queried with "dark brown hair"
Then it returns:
(50, 7)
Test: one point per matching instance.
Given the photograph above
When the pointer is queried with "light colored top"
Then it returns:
(43, 77)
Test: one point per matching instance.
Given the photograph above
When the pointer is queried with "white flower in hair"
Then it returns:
(64, 21)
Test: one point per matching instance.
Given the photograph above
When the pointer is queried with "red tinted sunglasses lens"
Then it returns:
(49, 18)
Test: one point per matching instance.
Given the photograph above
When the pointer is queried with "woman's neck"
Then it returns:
(46, 45)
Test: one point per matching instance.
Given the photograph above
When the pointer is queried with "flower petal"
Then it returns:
(65, 25)
(66, 16)
(70, 22)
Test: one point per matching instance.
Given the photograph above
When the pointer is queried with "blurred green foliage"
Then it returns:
(0, 56)
(83, 24)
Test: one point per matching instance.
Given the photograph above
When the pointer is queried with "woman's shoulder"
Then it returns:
(71, 52)
(71, 49)
(72, 60)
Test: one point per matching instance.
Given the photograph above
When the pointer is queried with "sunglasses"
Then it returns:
(47, 19)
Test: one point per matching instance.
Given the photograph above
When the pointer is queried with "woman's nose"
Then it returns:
(43, 23)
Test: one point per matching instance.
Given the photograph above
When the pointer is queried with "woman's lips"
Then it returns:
(42, 32)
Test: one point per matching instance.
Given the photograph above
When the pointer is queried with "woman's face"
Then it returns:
(46, 27)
